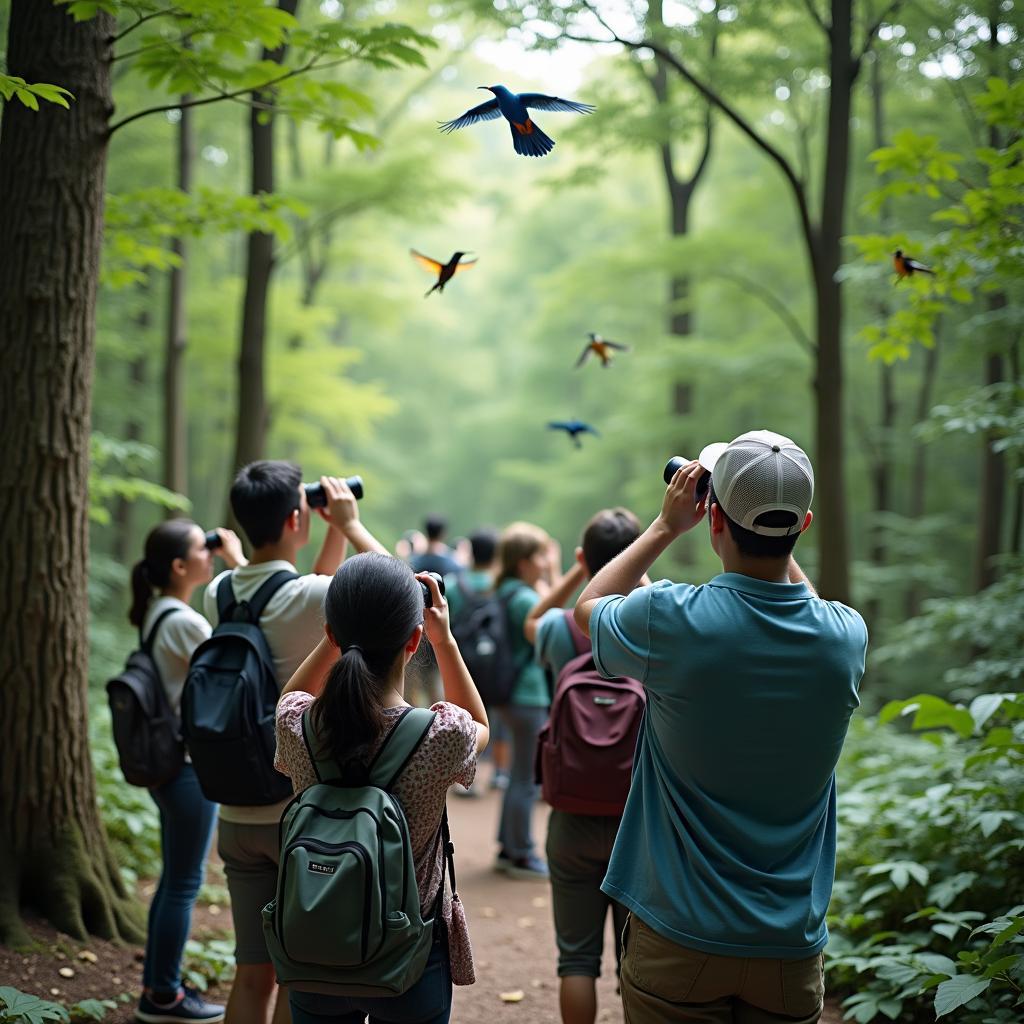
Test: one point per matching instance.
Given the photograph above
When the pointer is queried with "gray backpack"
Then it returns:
(346, 920)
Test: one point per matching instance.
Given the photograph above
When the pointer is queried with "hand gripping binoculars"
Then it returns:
(703, 482)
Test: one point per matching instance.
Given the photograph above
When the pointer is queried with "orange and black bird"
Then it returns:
(445, 271)
(602, 348)
(907, 267)
(574, 428)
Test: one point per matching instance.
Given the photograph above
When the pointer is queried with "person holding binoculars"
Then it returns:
(726, 853)
(177, 559)
(272, 506)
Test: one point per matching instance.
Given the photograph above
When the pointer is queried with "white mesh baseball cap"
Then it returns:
(760, 472)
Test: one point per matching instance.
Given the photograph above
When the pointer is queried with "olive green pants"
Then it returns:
(665, 983)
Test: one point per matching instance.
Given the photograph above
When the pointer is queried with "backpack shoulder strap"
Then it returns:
(323, 767)
(147, 644)
(225, 598)
(402, 742)
(267, 590)
(580, 640)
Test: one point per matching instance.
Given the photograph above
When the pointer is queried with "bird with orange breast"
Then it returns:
(907, 267)
(602, 348)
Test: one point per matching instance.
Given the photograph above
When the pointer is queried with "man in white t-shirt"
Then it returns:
(269, 502)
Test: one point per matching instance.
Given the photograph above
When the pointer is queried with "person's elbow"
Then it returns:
(483, 735)
(581, 613)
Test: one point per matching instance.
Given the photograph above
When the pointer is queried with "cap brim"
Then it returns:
(710, 454)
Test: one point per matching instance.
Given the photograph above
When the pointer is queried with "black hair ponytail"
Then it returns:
(164, 544)
(372, 607)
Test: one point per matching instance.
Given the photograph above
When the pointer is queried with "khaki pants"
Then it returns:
(665, 983)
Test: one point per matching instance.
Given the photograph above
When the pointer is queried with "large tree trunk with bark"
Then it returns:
(175, 414)
(253, 419)
(830, 484)
(53, 854)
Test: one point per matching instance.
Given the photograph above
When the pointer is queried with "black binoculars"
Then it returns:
(213, 540)
(703, 482)
(316, 496)
(428, 599)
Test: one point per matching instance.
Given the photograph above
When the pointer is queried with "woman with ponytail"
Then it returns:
(354, 681)
(176, 560)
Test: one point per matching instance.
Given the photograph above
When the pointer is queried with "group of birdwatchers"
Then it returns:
(686, 737)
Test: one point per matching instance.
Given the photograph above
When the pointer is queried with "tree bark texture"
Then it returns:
(175, 412)
(826, 256)
(53, 853)
(253, 419)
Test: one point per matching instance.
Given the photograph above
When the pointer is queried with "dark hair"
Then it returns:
(485, 545)
(756, 545)
(263, 496)
(610, 531)
(372, 606)
(435, 527)
(165, 543)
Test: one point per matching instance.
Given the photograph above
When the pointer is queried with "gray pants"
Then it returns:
(514, 829)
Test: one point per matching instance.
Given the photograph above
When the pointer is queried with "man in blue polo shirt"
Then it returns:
(726, 853)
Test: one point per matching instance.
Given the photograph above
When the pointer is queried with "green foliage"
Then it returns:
(19, 1007)
(208, 963)
(30, 95)
(105, 484)
(929, 863)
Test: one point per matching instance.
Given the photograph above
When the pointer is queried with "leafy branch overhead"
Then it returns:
(203, 49)
(30, 95)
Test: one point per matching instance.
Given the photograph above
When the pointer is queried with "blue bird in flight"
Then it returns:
(574, 428)
(527, 137)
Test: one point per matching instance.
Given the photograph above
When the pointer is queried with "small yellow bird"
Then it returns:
(445, 271)
(602, 348)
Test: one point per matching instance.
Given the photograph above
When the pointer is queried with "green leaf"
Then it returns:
(22, 1007)
(958, 991)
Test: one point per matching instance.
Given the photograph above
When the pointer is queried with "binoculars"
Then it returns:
(213, 540)
(703, 482)
(316, 496)
(428, 600)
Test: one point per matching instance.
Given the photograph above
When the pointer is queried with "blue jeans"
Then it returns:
(429, 1001)
(514, 829)
(186, 826)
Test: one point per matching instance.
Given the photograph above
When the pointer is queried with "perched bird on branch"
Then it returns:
(445, 271)
(907, 267)
(527, 137)
(602, 348)
(574, 428)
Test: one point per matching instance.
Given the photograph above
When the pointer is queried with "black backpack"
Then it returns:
(227, 707)
(146, 731)
(485, 641)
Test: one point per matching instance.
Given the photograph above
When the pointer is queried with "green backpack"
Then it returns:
(346, 920)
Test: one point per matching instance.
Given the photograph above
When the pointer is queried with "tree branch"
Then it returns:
(709, 94)
(141, 20)
(772, 301)
(818, 20)
(869, 39)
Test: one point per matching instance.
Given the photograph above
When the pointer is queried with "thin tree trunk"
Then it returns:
(122, 515)
(1017, 527)
(54, 857)
(918, 499)
(175, 408)
(253, 419)
(830, 484)
(992, 492)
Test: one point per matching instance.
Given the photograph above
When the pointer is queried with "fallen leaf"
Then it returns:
(88, 956)
(66, 972)
(54, 991)
(524, 922)
(511, 997)
(214, 909)
(538, 902)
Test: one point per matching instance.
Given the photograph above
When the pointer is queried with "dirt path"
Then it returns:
(510, 924)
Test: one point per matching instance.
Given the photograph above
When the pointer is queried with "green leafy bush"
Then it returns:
(927, 915)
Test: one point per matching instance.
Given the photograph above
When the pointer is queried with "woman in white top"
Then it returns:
(176, 561)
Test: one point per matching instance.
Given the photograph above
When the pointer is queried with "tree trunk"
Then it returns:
(122, 516)
(252, 422)
(917, 503)
(53, 853)
(826, 256)
(175, 411)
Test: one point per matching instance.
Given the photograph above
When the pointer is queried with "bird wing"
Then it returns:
(615, 345)
(539, 101)
(485, 112)
(583, 358)
(588, 429)
(914, 265)
(425, 261)
(559, 426)
(464, 265)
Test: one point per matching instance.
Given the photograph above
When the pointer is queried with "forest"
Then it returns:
(207, 209)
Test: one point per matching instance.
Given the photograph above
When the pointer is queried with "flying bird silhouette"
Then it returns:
(527, 137)
(574, 428)
(602, 348)
(907, 267)
(445, 271)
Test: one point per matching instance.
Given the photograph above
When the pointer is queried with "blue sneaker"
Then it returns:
(189, 1007)
(527, 867)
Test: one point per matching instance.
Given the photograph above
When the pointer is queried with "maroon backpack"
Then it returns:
(585, 751)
